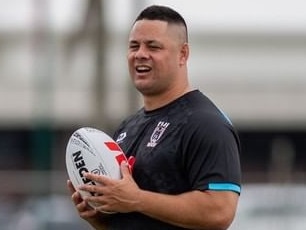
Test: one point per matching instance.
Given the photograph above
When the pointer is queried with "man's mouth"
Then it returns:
(143, 69)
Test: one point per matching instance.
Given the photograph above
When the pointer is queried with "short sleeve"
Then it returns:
(211, 153)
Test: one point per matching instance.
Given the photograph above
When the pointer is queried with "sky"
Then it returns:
(289, 15)
(265, 15)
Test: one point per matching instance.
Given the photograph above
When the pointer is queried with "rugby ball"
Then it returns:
(92, 150)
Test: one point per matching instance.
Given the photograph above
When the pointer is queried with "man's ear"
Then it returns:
(184, 54)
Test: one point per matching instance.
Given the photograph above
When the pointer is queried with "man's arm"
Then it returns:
(194, 209)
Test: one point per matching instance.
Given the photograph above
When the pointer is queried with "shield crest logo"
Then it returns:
(157, 133)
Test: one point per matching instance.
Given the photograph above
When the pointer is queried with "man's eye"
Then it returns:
(133, 47)
(154, 47)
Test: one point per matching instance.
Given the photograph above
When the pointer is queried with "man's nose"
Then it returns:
(142, 53)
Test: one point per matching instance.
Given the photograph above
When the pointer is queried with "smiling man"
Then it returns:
(157, 56)
(186, 171)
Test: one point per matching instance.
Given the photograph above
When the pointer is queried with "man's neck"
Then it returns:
(153, 102)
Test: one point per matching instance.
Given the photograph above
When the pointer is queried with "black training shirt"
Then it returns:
(186, 145)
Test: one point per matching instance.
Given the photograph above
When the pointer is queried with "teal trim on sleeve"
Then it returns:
(224, 187)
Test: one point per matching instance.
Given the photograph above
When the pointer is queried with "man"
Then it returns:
(186, 173)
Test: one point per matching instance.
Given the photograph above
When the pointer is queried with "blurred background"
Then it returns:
(63, 66)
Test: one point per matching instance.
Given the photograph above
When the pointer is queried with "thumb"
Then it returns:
(131, 162)
(125, 169)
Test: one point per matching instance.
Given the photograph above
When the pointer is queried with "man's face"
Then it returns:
(154, 54)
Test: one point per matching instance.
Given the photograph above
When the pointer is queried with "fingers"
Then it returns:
(88, 213)
(100, 205)
(70, 187)
(131, 162)
(104, 209)
(75, 196)
(105, 180)
(106, 183)
(84, 210)
(125, 169)
(97, 178)
(93, 189)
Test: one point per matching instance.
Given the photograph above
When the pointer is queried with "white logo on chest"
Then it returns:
(121, 137)
(157, 133)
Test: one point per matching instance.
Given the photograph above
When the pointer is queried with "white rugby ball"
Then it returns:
(92, 150)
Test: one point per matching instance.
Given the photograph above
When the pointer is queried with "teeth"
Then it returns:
(143, 68)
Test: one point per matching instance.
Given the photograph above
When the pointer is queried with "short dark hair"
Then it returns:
(162, 13)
